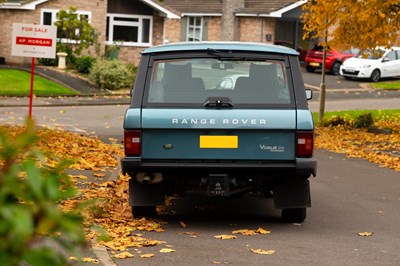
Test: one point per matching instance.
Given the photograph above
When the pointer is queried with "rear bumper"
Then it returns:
(301, 166)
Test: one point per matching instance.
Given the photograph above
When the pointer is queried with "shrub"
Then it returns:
(48, 61)
(335, 121)
(364, 121)
(29, 197)
(111, 74)
(84, 63)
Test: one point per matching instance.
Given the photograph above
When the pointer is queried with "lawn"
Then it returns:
(387, 85)
(17, 83)
(351, 115)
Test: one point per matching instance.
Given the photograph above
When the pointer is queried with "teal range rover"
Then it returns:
(221, 118)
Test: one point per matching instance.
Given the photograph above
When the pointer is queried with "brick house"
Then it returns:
(137, 24)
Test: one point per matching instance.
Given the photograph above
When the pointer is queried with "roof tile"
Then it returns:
(215, 6)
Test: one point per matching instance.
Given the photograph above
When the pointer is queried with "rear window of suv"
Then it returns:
(196, 81)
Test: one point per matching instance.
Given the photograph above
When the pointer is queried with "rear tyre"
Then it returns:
(297, 215)
(310, 69)
(375, 75)
(144, 211)
(335, 69)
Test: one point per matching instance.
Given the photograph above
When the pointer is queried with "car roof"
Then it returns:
(239, 46)
(383, 48)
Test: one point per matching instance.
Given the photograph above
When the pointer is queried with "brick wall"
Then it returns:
(254, 29)
(158, 29)
(214, 29)
(172, 30)
(8, 17)
(130, 55)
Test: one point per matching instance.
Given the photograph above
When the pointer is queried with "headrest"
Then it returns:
(262, 71)
(173, 71)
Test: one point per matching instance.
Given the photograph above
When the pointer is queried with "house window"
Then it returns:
(49, 17)
(129, 29)
(194, 29)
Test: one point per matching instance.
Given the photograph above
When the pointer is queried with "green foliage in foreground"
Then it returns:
(29, 212)
(15, 82)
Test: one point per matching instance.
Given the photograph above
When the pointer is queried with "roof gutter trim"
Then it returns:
(161, 9)
(278, 13)
(252, 14)
(29, 6)
(274, 14)
(201, 14)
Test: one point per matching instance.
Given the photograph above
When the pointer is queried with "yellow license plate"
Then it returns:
(314, 64)
(219, 142)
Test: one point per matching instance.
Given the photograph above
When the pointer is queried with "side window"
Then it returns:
(156, 90)
(129, 29)
(194, 30)
(398, 54)
(391, 55)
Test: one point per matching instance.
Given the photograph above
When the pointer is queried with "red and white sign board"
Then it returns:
(33, 40)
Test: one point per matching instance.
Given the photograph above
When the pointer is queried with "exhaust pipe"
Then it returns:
(149, 178)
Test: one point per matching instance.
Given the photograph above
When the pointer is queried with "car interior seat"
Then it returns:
(260, 86)
(180, 86)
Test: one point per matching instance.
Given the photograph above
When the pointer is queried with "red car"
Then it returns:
(334, 59)
(301, 50)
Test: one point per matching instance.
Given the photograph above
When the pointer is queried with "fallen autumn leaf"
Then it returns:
(124, 255)
(224, 237)
(365, 234)
(263, 252)
(147, 256)
(166, 250)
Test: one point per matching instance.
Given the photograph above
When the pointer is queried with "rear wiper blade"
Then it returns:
(229, 56)
(220, 53)
(218, 102)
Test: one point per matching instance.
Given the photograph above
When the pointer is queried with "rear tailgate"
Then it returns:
(234, 134)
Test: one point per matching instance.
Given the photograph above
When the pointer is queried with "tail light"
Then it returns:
(305, 143)
(132, 142)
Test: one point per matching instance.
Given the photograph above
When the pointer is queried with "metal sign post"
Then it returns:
(36, 41)
(31, 87)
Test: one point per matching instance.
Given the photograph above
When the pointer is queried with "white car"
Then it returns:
(373, 65)
(228, 82)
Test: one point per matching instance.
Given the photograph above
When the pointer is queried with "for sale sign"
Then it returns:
(33, 40)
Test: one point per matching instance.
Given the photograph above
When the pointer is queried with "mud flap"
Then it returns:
(292, 194)
(146, 194)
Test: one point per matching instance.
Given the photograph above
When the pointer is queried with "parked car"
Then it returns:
(373, 65)
(334, 59)
(302, 52)
(184, 134)
(228, 82)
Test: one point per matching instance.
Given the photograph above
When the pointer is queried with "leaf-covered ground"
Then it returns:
(104, 203)
(380, 145)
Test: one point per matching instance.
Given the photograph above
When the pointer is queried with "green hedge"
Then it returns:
(112, 74)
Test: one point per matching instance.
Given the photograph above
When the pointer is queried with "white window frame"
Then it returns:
(194, 27)
(112, 22)
(54, 19)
